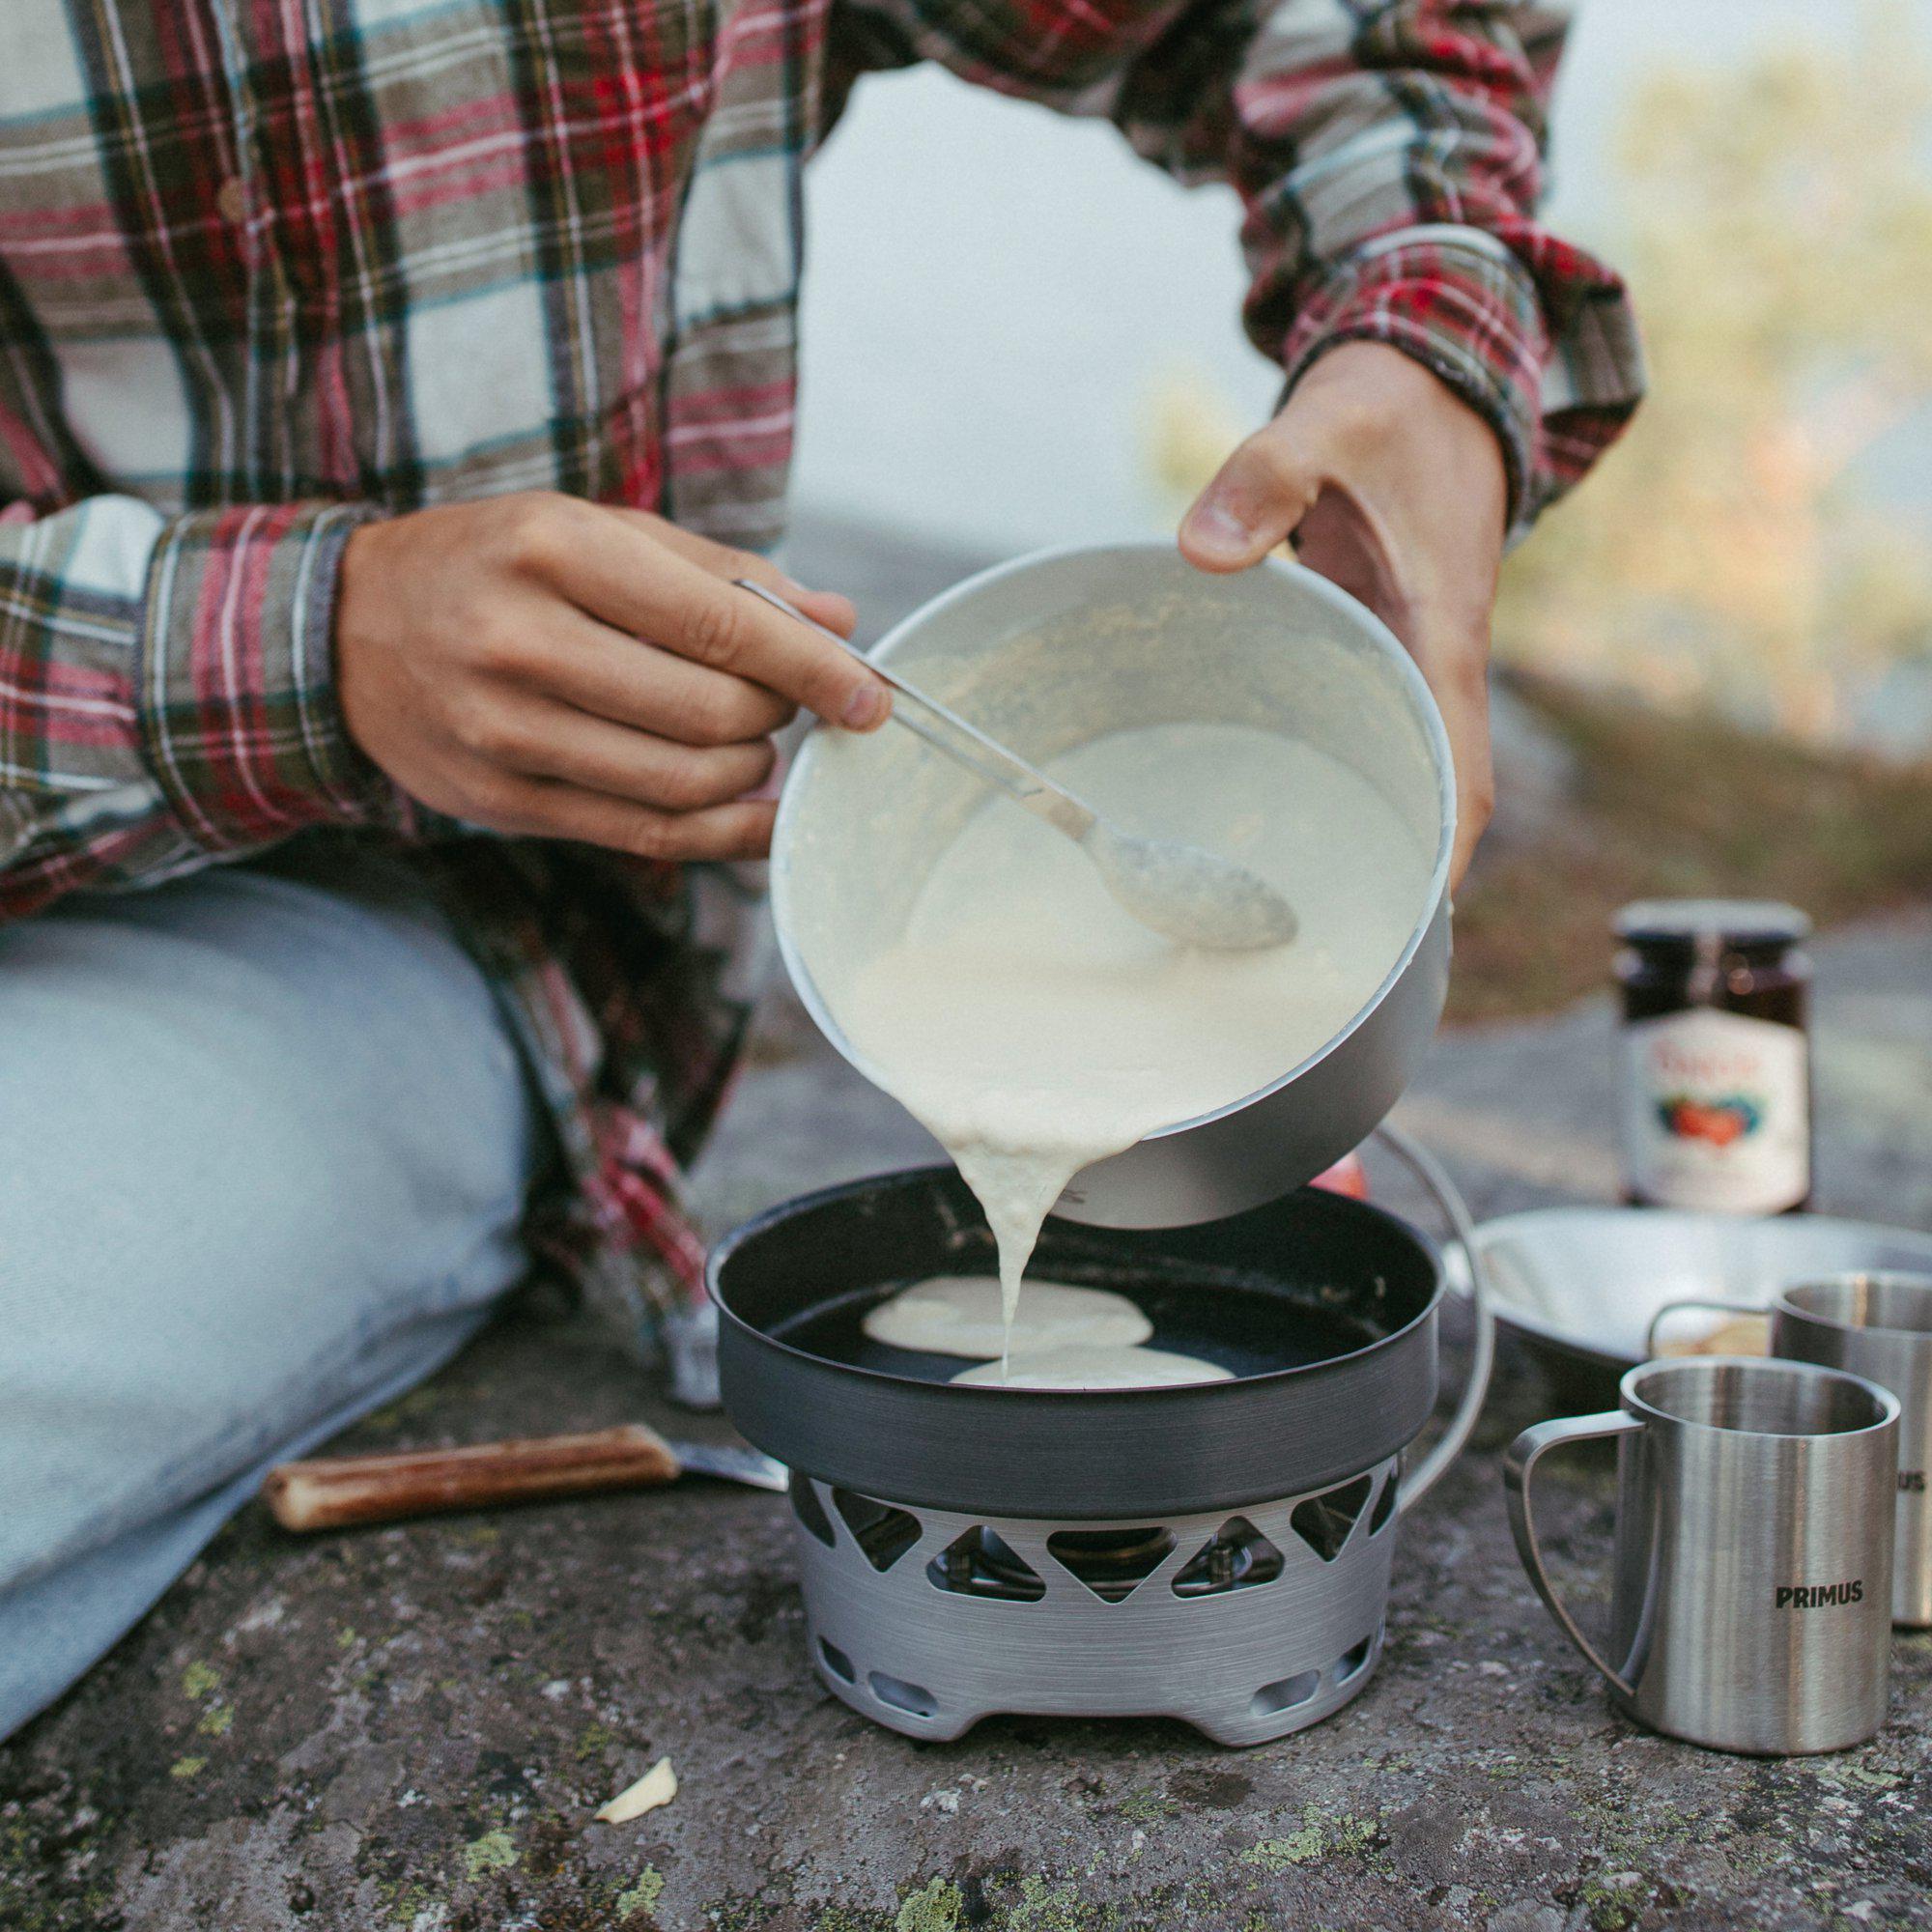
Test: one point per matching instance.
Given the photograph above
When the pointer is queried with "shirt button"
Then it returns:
(230, 200)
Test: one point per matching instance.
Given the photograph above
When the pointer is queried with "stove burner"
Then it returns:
(1239, 1554)
(979, 1564)
(1111, 1562)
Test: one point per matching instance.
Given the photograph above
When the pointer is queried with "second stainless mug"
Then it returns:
(1878, 1326)
(1751, 1603)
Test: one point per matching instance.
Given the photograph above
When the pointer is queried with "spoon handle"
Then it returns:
(945, 730)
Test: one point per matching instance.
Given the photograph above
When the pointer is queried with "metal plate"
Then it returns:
(1583, 1283)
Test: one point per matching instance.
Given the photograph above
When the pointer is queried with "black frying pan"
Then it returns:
(1324, 1308)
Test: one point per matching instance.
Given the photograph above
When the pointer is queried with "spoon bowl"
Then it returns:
(1191, 896)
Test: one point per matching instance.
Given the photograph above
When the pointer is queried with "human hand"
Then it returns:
(1395, 489)
(542, 666)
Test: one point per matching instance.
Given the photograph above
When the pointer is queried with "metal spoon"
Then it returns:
(1179, 891)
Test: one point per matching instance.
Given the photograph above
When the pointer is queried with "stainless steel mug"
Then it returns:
(1751, 1606)
(1878, 1325)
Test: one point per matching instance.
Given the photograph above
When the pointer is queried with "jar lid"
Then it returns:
(1729, 922)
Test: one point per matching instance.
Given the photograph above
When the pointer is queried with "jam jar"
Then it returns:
(1716, 1067)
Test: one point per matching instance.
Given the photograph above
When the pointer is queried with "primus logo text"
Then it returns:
(1815, 1596)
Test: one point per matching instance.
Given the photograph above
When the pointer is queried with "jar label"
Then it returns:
(1716, 1112)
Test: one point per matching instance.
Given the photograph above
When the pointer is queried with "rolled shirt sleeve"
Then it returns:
(1476, 315)
(166, 692)
(1389, 157)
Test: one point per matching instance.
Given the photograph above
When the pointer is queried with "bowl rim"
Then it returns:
(1567, 1342)
(1350, 608)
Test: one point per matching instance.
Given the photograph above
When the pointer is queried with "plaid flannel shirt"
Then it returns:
(272, 267)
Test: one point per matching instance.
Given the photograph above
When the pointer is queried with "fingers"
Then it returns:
(705, 618)
(533, 808)
(741, 830)
(596, 756)
(1453, 656)
(1475, 781)
(623, 569)
(1394, 488)
(1274, 485)
(1255, 500)
(1445, 627)
(824, 606)
(603, 671)
(669, 601)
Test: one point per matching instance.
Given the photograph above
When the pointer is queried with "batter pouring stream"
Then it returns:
(1033, 1027)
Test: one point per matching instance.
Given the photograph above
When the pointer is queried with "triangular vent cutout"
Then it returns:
(1235, 1558)
(884, 1533)
(1111, 1562)
(1324, 1522)
(809, 1511)
(979, 1563)
(1385, 1503)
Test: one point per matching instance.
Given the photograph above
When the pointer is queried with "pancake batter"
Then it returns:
(962, 1314)
(1033, 1027)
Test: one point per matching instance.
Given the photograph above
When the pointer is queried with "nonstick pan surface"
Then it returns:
(1322, 1308)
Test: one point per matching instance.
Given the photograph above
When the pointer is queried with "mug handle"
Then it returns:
(1518, 1465)
(1716, 1304)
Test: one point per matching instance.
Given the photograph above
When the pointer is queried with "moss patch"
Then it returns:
(643, 1895)
(1277, 1855)
(1044, 1907)
(1613, 1904)
(1321, 1836)
(935, 1907)
(493, 1851)
(1147, 1806)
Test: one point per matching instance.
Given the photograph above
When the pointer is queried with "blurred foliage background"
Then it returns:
(1744, 549)
(1717, 654)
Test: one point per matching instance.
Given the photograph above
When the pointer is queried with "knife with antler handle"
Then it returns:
(337, 1491)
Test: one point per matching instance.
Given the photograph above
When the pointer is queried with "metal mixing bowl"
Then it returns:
(1581, 1285)
(1054, 649)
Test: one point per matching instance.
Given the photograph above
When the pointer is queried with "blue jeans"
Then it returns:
(265, 1142)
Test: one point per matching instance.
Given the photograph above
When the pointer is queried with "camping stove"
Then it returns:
(1218, 1552)
(1248, 1626)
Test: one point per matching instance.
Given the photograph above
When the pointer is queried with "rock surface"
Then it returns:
(411, 1727)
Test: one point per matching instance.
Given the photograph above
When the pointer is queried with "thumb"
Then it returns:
(1256, 498)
